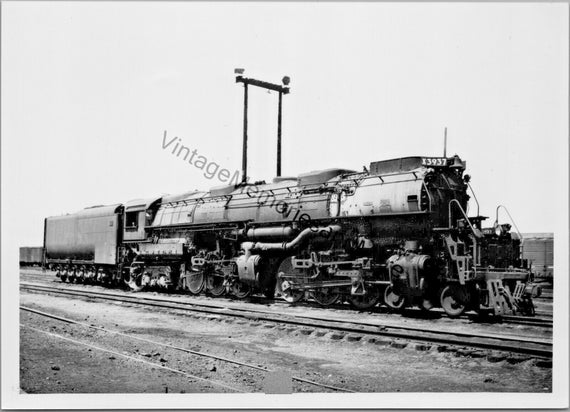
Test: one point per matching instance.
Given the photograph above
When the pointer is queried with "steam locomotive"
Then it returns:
(397, 232)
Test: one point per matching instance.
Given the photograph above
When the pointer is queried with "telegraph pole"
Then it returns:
(281, 89)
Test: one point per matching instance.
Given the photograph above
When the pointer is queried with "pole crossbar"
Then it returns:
(269, 86)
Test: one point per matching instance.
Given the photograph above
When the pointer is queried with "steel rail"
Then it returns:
(519, 320)
(505, 319)
(122, 355)
(527, 346)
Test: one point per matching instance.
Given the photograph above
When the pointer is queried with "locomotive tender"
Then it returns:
(397, 232)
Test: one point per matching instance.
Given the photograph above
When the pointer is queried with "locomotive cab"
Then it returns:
(139, 214)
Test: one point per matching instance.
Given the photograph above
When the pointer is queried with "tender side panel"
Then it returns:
(62, 239)
(101, 234)
(89, 235)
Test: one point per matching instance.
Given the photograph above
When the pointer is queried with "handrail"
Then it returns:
(514, 223)
(512, 220)
(429, 195)
(474, 197)
(475, 233)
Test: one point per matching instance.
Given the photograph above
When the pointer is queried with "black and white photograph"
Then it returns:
(269, 205)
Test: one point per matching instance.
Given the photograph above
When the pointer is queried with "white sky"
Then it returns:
(89, 88)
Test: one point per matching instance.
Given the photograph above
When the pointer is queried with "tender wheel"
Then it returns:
(194, 282)
(240, 290)
(326, 296)
(215, 284)
(451, 303)
(393, 300)
(72, 277)
(366, 301)
(81, 275)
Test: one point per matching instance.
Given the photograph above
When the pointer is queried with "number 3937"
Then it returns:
(434, 161)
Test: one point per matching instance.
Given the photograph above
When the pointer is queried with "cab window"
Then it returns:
(131, 220)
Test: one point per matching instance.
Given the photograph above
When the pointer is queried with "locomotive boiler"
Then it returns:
(397, 233)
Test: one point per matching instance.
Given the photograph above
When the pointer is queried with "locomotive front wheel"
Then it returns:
(366, 301)
(393, 300)
(451, 303)
(215, 284)
(194, 282)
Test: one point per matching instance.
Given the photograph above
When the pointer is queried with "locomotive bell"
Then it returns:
(457, 163)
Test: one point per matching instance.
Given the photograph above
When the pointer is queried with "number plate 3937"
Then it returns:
(434, 161)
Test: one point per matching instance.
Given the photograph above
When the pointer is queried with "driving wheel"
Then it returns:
(392, 299)
(451, 303)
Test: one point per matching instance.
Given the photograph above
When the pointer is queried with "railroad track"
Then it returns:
(545, 321)
(521, 320)
(166, 345)
(534, 347)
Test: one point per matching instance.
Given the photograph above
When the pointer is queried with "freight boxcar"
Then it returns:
(30, 256)
(539, 251)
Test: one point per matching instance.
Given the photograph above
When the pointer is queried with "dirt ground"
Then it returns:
(100, 362)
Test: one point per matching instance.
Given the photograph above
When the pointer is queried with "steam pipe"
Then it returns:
(270, 232)
(251, 247)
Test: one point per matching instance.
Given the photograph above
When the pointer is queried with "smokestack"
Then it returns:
(445, 143)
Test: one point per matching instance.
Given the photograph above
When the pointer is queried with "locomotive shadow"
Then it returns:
(414, 313)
